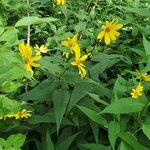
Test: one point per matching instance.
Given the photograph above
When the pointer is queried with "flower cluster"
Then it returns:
(40, 50)
(75, 49)
(72, 44)
(23, 114)
(138, 90)
(60, 2)
(109, 32)
(29, 60)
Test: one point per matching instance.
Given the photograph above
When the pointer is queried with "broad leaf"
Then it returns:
(60, 98)
(34, 20)
(93, 115)
(124, 106)
(146, 130)
(113, 133)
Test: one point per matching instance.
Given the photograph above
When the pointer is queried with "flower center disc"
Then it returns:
(107, 29)
(27, 61)
(78, 63)
(70, 45)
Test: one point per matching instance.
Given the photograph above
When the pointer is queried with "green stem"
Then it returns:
(138, 121)
(143, 111)
(28, 14)
(63, 72)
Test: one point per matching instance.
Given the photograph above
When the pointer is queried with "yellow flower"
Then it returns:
(41, 49)
(146, 77)
(9, 116)
(79, 63)
(72, 44)
(26, 53)
(137, 91)
(23, 114)
(109, 32)
(61, 2)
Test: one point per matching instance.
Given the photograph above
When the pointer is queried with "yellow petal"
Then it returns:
(82, 71)
(34, 64)
(22, 49)
(107, 39)
(38, 53)
(101, 35)
(28, 68)
(36, 46)
(75, 38)
(66, 54)
(103, 27)
(112, 36)
(28, 51)
(35, 58)
(74, 63)
(115, 33)
(65, 43)
(84, 57)
(76, 50)
(117, 26)
(113, 21)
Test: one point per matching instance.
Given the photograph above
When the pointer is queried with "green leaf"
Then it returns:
(106, 60)
(113, 132)
(125, 146)
(139, 11)
(146, 46)
(91, 146)
(40, 92)
(66, 143)
(2, 142)
(50, 145)
(60, 98)
(15, 141)
(146, 130)
(95, 129)
(124, 106)
(9, 86)
(10, 36)
(131, 140)
(78, 93)
(93, 115)
(96, 98)
(52, 68)
(48, 117)
(11, 106)
(34, 20)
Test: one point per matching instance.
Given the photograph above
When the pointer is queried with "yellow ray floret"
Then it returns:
(146, 77)
(40, 50)
(23, 114)
(109, 32)
(137, 92)
(72, 44)
(79, 63)
(61, 2)
(29, 60)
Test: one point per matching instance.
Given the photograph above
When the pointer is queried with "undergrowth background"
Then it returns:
(96, 112)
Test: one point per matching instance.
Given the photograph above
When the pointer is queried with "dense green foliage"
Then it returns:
(96, 112)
